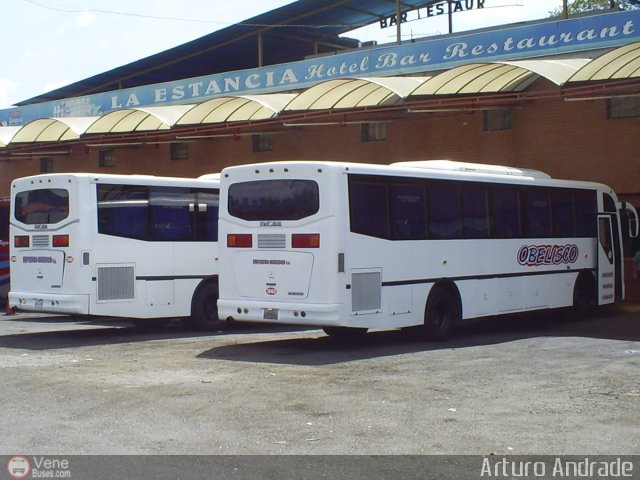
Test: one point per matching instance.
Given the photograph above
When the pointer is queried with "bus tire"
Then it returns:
(441, 313)
(345, 333)
(583, 296)
(204, 308)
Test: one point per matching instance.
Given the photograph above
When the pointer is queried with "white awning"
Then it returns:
(143, 119)
(618, 64)
(556, 71)
(237, 108)
(6, 134)
(497, 77)
(52, 129)
(355, 92)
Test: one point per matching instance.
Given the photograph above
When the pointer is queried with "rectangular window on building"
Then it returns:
(106, 158)
(179, 151)
(373, 132)
(262, 142)
(496, 120)
(623, 107)
(46, 164)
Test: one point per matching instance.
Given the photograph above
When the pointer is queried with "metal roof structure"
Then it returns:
(290, 33)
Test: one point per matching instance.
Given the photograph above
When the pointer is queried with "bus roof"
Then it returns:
(443, 169)
(210, 176)
(467, 167)
(121, 178)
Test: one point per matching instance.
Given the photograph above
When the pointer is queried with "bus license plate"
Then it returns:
(39, 303)
(270, 314)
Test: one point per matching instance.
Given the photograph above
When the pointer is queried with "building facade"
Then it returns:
(570, 122)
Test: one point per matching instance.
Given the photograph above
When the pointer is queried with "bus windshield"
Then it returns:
(274, 199)
(46, 205)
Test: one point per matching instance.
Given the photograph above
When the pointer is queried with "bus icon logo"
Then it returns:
(18, 467)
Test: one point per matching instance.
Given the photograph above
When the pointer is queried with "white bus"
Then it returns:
(349, 247)
(129, 246)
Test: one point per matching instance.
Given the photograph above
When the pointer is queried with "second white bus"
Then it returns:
(350, 246)
(130, 246)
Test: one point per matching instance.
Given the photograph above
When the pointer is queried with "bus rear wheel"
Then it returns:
(204, 308)
(345, 333)
(441, 314)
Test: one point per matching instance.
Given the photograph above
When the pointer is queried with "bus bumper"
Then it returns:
(47, 303)
(320, 314)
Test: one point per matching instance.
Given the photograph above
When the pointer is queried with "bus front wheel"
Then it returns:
(441, 314)
(583, 297)
(204, 308)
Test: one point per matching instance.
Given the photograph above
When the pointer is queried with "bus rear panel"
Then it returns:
(280, 246)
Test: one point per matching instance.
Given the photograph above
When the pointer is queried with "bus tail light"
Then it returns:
(21, 241)
(239, 240)
(305, 240)
(60, 240)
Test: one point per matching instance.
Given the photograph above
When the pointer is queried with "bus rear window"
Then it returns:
(274, 199)
(46, 205)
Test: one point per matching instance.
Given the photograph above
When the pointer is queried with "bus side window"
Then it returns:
(604, 236)
(475, 212)
(122, 210)
(207, 216)
(4, 221)
(368, 209)
(408, 212)
(170, 219)
(444, 210)
(537, 216)
(562, 213)
(585, 206)
(506, 213)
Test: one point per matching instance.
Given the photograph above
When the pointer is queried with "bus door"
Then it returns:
(606, 261)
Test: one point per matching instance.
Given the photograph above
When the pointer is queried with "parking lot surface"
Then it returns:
(534, 384)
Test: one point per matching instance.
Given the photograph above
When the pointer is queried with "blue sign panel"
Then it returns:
(549, 38)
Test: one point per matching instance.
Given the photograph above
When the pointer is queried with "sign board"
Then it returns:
(433, 10)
